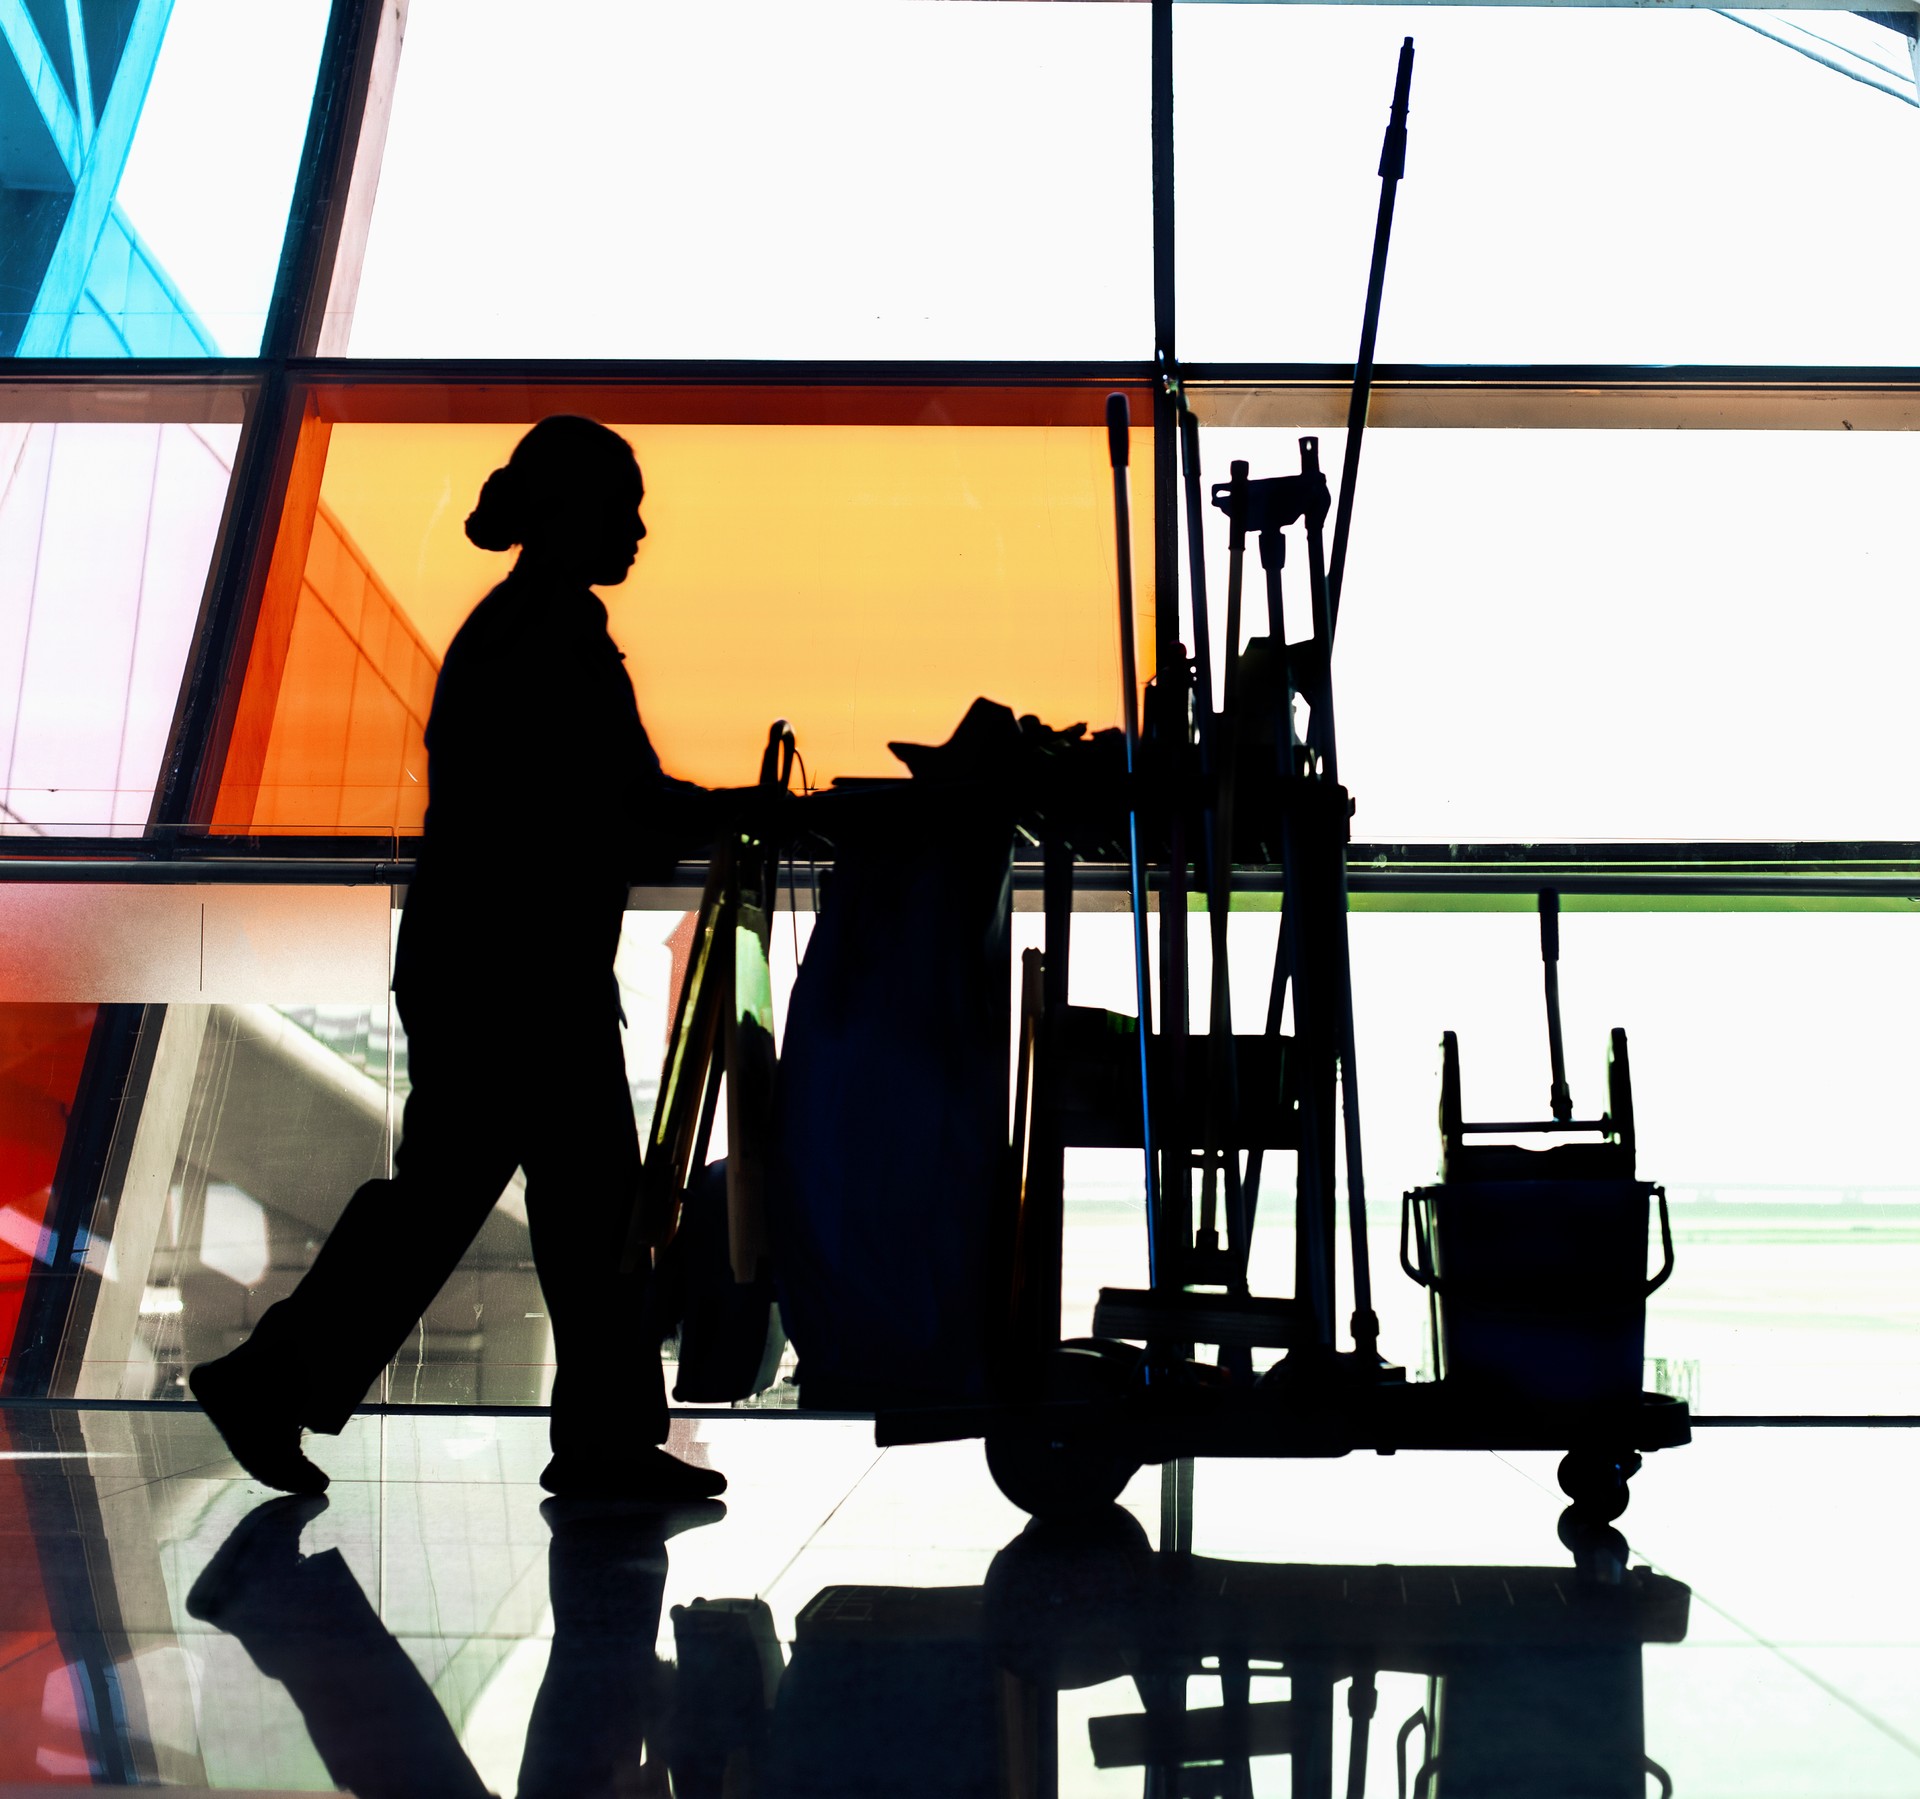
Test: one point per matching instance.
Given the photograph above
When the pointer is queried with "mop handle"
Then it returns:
(1393, 164)
(1562, 1097)
(1118, 423)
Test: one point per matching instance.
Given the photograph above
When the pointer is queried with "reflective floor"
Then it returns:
(859, 1622)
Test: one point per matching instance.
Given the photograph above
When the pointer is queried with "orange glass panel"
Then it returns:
(331, 732)
(865, 580)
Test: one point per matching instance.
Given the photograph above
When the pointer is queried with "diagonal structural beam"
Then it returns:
(22, 38)
(96, 183)
(82, 72)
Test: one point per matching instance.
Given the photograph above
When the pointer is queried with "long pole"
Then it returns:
(1118, 422)
(1216, 780)
(1393, 164)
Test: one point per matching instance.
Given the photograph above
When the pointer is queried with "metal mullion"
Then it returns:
(1895, 880)
(534, 371)
(107, 373)
(1678, 376)
(222, 637)
(1571, 374)
(1166, 589)
(1613, 396)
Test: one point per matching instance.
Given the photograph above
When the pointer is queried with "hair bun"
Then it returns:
(496, 522)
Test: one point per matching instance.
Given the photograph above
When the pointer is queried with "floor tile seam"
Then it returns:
(198, 1470)
(1865, 1713)
(833, 1511)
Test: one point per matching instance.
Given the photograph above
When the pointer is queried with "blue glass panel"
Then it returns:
(148, 150)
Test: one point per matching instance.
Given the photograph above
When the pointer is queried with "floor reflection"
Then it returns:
(861, 1622)
(603, 1706)
(1533, 1674)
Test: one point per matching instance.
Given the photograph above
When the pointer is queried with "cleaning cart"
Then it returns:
(1533, 1258)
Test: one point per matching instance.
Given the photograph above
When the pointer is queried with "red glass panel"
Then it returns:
(42, 1048)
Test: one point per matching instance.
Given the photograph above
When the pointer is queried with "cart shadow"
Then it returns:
(1533, 1675)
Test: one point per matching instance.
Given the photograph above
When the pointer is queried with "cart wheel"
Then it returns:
(1054, 1476)
(1596, 1480)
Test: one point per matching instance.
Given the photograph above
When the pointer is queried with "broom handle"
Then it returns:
(1118, 423)
(1393, 164)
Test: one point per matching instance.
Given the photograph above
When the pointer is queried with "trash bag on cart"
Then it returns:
(890, 1133)
(727, 1335)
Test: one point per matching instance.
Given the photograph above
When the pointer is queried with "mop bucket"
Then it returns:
(1539, 1287)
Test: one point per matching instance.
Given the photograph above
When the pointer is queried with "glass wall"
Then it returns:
(268, 1081)
(1632, 582)
(1771, 1050)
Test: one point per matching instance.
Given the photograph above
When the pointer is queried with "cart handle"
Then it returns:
(1666, 1246)
(1425, 1276)
(776, 760)
(1421, 1276)
(1419, 1721)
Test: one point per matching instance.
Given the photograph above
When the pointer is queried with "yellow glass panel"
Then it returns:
(864, 581)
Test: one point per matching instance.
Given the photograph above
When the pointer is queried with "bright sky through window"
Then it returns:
(213, 163)
(1583, 185)
(748, 178)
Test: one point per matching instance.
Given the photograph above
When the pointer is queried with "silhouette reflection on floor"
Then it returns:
(603, 1706)
(1533, 1674)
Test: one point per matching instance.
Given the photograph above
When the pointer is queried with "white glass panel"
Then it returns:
(106, 533)
(1552, 635)
(1773, 1055)
(745, 178)
(1583, 185)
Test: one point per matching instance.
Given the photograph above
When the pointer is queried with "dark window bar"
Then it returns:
(1676, 378)
(1703, 870)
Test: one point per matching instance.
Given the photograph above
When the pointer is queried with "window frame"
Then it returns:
(296, 371)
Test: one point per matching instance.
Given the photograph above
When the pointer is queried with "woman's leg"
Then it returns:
(582, 1159)
(313, 1356)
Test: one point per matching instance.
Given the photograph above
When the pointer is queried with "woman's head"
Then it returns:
(569, 495)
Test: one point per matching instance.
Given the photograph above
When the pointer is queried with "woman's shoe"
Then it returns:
(249, 1408)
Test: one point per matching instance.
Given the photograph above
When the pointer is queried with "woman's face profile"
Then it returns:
(616, 533)
(597, 529)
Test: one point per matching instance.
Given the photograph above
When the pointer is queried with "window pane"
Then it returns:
(744, 178)
(864, 581)
(106, 534)
(1583, 185)
(42, 1050)
(270, 1082)
(146, 172)
(258, 1085)
(1790, 1171)
(1549, 635)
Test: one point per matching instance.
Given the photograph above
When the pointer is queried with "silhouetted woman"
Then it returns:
(504, 980)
